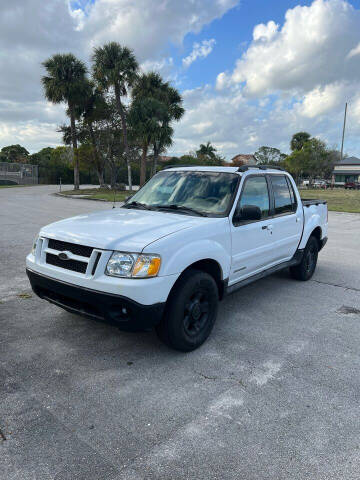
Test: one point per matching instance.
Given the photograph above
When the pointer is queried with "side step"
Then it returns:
(281, 266)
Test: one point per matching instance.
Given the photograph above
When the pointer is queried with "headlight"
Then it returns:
(33, 248)
(133, 265)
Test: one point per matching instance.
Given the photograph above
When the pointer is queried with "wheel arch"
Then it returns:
(317, 233)
(209, 266)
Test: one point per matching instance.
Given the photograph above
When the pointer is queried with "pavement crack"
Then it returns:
(336, 285)
(224, 379)
(2, 436)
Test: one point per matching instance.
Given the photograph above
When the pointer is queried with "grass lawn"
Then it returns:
(98, 194)
(11, 186)
(339, 199)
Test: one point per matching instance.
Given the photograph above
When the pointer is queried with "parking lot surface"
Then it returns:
(273, 394)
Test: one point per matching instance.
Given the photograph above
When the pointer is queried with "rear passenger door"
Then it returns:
(252, 241)
(286, 219)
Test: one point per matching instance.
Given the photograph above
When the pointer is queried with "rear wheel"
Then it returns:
(306, 268)
(191, 311)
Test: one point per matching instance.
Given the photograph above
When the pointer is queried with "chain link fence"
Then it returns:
(19, 173)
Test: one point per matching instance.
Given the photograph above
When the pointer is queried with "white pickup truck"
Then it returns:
(187, 238)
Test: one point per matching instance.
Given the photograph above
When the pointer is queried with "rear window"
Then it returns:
(282, 197)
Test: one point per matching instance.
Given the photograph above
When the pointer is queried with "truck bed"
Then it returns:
(316, 201)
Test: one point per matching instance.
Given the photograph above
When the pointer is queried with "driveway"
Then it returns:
(273, 394)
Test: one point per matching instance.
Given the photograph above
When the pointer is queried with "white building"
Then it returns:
(348, 170)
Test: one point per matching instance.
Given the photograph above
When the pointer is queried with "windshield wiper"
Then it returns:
(135, 204)
(179, 208)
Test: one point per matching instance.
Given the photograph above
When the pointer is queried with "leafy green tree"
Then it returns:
(298, 140)
(162, 137)
(269, 156)
(207, 150)
(313, 160)
(155, 106)
(14, 153)
(92, 112)
(115, 67)
(53, 164)
(145, 117)
(65, 82)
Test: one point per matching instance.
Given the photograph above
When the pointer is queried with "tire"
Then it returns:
(306, 268)
(190, 312)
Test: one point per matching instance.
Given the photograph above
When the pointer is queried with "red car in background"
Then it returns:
(352, 186)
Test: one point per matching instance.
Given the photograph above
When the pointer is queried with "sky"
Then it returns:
(251, 72)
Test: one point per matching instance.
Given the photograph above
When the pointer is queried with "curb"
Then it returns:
(79, 197)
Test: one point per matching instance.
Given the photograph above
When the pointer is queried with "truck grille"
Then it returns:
(70, 247)
(80, 258)
(73, 265)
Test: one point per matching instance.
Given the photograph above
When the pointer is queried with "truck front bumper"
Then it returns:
(115, 309)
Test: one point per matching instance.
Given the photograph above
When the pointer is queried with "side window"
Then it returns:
(292, 194)
(255, 192)
(282, 198)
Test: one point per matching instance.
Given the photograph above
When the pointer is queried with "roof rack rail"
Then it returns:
(181, 166)
(244, 168)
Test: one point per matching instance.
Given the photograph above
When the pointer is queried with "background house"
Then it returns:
(243, 159)
(348, 170)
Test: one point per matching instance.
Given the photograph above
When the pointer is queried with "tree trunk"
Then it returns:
(75, 153)
(156, 158)
(100, 175)
(99, 164)
(113, 175)
(124, 128)
(143, 165)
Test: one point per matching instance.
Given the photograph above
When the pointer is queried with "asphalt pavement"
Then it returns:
(273, 394)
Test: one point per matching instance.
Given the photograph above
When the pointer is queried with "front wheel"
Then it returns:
(306, 268)
(191, 311)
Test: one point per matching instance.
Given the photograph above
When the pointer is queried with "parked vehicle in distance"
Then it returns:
(187, 238)
(352, 186)
(320, 184)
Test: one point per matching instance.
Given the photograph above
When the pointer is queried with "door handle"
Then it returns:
(267, 227)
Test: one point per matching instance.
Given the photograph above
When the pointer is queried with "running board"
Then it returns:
(281, 266)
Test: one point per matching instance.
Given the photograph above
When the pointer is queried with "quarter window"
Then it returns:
(292, 194)
(282, 198)
(255, 192)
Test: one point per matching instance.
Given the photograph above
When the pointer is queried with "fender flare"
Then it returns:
(195, 252)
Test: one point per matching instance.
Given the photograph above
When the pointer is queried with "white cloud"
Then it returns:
(353, 52)
(294, 76)
(32, 30)
(265, 32)
(149, 26)
(200, 50)
(308, 50)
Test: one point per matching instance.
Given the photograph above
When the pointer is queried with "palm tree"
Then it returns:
(206, 150)
(156, 104)
(145, 117)
(298, 140)
(65, 82)
(162, 139)
(116, 67)
(93, 110)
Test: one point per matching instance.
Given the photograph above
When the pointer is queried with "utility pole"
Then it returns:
(343, 133)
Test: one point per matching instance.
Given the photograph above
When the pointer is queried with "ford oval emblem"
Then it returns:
(63, 256)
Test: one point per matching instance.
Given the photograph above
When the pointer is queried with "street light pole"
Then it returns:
(343, 134)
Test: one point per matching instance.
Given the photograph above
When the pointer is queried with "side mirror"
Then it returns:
(248, 212)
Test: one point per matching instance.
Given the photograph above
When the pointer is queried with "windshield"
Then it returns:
(187, 192)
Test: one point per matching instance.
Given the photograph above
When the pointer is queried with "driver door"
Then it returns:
(252, 240)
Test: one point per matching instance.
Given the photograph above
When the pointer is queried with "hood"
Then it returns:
(120, 228)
